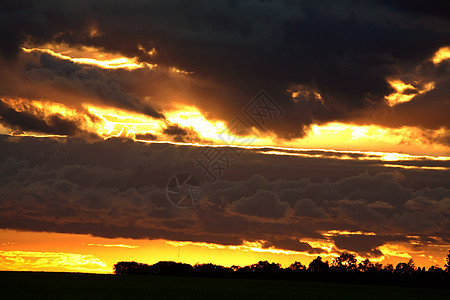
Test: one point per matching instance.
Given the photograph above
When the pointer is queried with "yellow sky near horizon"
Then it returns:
(61, 252)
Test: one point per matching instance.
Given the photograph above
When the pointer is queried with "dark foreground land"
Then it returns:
(28, 285)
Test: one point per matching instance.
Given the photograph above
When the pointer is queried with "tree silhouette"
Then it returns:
(346, 262)
(265, 266)
(235, 268)
(388, 269)
(317, 265)
(405, 269)
(343, 269)
(210, 270)
(447, 262)
(132, 267)
(297, 266)
(172, 268)
(435, 270)
(265, 269)
(366, 266)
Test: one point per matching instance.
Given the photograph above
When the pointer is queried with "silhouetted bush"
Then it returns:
(211, 270)
(132, 268)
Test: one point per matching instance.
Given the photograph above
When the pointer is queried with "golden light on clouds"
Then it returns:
(42, 107)
(442, 54)
(371, 138)
(326, 245)
(388, 144)
(115, 122)
(191, 117)
(97, 57)
(247, 246)
(399, 96)
(46, 110)
(151, 52)
(305, 93)
(345, 232)
(368, 155)
(91, 56)
(396, 250)
(376, 142)
(180, 71)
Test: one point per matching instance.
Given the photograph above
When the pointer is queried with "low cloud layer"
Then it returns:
(117, 188)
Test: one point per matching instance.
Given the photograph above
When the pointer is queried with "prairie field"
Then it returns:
(40, 285)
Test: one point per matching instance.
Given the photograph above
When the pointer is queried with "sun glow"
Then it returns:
(121, 123)
(372, 138)
(371, 141)
(188, 116)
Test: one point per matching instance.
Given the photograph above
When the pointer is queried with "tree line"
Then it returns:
(344, 268)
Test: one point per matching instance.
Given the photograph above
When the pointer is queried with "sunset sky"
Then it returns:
(302, 128)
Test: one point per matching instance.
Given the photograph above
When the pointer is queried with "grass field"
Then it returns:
(26, 285)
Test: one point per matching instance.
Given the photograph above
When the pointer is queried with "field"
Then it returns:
(26, 285)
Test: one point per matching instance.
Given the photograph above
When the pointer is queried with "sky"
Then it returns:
(223, 132)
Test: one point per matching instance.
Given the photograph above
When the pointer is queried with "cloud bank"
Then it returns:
(117, 188)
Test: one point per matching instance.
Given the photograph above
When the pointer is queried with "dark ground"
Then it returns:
(29, 285)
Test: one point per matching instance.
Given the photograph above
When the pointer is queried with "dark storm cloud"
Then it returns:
(92, 80)
(146, 137)
(263, 204)
(343, 50)
(307, 208)
(294, 245)
(428, 110)
(365, 245)
(116, 188)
